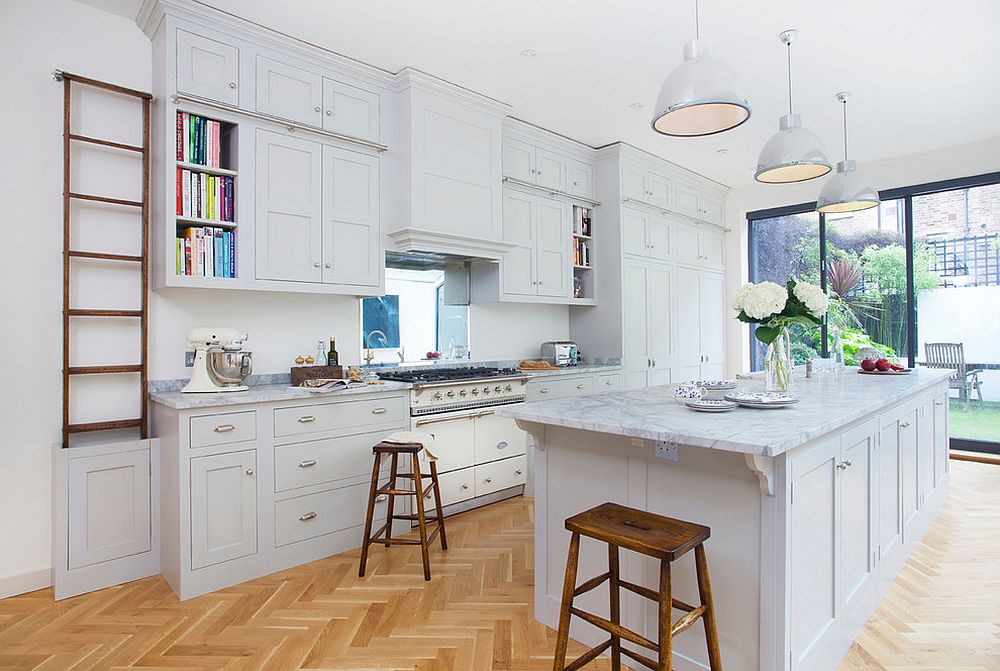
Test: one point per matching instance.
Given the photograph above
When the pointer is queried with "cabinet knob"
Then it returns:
(654, 363)
(539, 172)
(488, 480)
(232, 85)
(249, 471)
(224, 428)
(502, 445)
(576, 183)
(543, 391)
(609, 383)
(329, 112)
(465, 486)
(938, 402)
(579, 386)
(316, 109)
(328, 265)
(316, 264)
(307, 517)
(517, 472)
(842, 465)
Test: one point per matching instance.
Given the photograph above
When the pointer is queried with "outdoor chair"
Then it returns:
(952, 355)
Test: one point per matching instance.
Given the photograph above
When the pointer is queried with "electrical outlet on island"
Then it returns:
(665, 450)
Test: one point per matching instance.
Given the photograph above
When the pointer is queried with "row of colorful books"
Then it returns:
(207, 251)
(205, 196)
(581, 252)
(581, 220)
(199, 140)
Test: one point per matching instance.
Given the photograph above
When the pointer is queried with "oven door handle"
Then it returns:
(436, 420)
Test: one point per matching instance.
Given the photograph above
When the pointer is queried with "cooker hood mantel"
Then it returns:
(421, 240)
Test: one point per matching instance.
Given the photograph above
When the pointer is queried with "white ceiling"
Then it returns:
(924, 74)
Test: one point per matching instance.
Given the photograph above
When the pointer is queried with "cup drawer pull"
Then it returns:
(224, 428)
(306, 463)
(502, 445)
(307, 517)
(305, 419)
(378, 411)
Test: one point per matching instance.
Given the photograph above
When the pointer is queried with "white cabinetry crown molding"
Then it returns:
(627, 151)
(409, 239)
(412, 78)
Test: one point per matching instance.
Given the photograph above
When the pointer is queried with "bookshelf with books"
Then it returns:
(583, 253)
(205, 193)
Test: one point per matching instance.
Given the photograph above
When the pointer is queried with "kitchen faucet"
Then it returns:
(369, 355)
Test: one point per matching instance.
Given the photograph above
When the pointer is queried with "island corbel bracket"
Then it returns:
(763, 468)
(535, 430)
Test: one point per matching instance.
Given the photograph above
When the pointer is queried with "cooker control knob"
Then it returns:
(463, 393)
(486, 390)
(509, 388)
(497, 389)
(475, 391)
(437, 396)
(451, 394)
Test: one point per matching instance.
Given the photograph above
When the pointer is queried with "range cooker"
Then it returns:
(439, 390)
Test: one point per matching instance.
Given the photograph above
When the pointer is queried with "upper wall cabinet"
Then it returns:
(697, 204)
(646, 186)
(350, 110)
(533, 157)
(208, 68)
(699, 246)
(581, 178)
(289, 92)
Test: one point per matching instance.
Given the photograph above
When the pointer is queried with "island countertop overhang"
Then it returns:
(828, 403)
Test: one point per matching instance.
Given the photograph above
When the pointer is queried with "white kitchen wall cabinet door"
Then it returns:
(659, 308)
(636, 359)
(658, 190)
(686, 200)
(659, 235)
(552, 264)
(581, 178)
(519, 160)
(550, 169)
(518, 263)
(712, 314)
(350, 111)
(711, 209)
(351, 233)
(635, 231)
(858, 515)
(223, 508)
(689, 352)
(289, 196)
(940, 438)
(711, 249)
(634, 183)
(208, 68)
(687, 244)
(289, 92)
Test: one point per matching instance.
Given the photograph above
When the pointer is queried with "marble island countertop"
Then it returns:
(579, 369)
(264, 393)
(827, 403)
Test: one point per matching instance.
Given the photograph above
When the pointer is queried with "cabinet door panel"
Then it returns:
(635, 227)
(686, 200)
(687, 244)
(908, 469)
(289, 208)
(940, 437)
(552, 264)
(712, 251)
(658, 306)
(925, 449)
(660, 230)
(659, 190)
(712, 314)
(208, 68)
(454, 439)
(289, 92)
(711, 209)
(223, 508)
(857, 449)
(889, 519)
(635, 316)
(351, 250)
(550, 169)
(581, 178)
(518, 160)
(518, 271)
(634, 183)
(350, 110)
(688, 299)
(498, 438)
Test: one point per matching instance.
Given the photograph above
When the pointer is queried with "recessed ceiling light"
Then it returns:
(637, 106)
(529, 53)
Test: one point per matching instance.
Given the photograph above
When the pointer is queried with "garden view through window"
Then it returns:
(916, 278)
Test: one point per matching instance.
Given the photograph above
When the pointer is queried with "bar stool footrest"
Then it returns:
(614, 629)
(597, 581)
(642, 659)
(589, 656)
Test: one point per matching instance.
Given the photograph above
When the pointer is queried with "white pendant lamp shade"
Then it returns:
(848, 190)
(794, 153)
(701, 96)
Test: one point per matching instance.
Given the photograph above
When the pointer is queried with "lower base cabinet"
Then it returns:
(223, 508)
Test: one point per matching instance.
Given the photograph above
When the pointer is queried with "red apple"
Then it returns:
(882, 365)
(868, 365)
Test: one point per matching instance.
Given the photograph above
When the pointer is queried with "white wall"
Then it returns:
(949, 163)
(37, 36)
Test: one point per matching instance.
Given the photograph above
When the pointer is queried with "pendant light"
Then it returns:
(847, 190)
(794, 153)
(701, 96)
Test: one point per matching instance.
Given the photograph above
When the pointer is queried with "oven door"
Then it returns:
(454, 437)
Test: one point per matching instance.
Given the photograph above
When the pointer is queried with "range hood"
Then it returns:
(447, 246)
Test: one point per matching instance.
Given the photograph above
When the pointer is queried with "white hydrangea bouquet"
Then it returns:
(774, 308)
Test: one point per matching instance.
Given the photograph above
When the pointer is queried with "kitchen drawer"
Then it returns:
(608, 382)
(500, 475)
(232, 427)
(343, 417)
(317, 461)
(554, 386)
(456, 486)
(498, 438)
(454, 438)
(312, 515)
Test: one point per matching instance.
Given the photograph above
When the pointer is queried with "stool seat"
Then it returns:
(397, 448)
(639, 531)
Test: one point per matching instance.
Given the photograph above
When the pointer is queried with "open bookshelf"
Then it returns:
(205, 215)
(583, 248)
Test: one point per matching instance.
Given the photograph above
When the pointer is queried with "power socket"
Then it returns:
(665, 450)
(189, 358)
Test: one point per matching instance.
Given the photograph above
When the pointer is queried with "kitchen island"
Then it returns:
(813, 507)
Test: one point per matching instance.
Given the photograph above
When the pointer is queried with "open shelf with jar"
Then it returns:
(583, 248)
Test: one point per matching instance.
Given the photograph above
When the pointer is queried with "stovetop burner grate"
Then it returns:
(459, 374)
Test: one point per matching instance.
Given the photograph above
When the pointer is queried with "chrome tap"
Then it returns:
(369, 355)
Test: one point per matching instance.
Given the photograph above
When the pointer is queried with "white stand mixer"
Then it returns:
(219, 362)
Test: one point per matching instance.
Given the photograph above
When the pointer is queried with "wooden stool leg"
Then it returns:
(705, 591)
(437, 504)
(421, 522)
(665, 619)
(372, 493)
(613, 594)
(391, 503)
(569, 586)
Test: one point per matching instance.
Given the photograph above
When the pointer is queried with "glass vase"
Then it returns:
(778, 364)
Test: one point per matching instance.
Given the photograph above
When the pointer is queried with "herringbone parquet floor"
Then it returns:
(943, 612)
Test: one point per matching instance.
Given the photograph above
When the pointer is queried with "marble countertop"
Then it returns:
(265, 393)
(580, 369)
(828, 403)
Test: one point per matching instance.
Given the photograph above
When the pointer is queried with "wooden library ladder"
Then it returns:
(142, 314)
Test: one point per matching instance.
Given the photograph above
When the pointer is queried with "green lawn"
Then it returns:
(975, 420)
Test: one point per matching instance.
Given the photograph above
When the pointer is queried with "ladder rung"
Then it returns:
(105, 143)
(105, 199)
(104, 426)
(106, 257)
(105, 313)
(100, 370)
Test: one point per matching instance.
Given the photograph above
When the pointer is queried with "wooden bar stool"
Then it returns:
(393, 447)
(662, 538)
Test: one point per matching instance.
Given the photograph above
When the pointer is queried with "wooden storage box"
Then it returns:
(301, 373)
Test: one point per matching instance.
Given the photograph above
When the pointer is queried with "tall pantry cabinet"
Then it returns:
(661, 299)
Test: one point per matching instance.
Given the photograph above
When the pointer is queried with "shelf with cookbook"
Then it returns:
(206, 229)
(583, 248)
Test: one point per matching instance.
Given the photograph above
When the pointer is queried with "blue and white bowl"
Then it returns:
(688, 392)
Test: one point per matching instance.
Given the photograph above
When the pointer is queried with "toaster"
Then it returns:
(561, 352)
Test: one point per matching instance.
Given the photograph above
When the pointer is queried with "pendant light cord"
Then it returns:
(789, 49)
(697, 21)
(845, 129)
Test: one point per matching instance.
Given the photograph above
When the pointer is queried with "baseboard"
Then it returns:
(25, 582)
(979, 457)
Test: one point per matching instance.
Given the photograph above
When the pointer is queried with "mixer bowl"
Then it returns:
(229, 369)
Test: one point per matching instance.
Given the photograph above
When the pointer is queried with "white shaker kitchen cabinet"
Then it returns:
(690, 355)
(909, 492)
(581, 178)
(711, 209)
(712, 315)
(658, 191)
(634, 183)
(351, 234)
(699, 246)
(350, 111)
(223, 508)
(858, 507)
(497, 438)
(208, 68)
(686, 200)
(925, 449)
(519, 160)
(552, 250)
(289, 92)
(636, 360)
(659, 235)
(889, 527)
(518, 263)
(711, 248)
(550, 169)
(659, 307)
(646, 234)
(289, 224)
(940, 438)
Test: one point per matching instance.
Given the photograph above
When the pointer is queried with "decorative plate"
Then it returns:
(762, 398)
(714, 385)
(905, 371)
(710, 405)
(687, 392)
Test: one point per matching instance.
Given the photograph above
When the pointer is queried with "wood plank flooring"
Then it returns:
(943, 612)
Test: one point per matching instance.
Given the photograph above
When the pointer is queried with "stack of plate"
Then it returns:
(713, 385)
(765, 400)
(710, 405)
